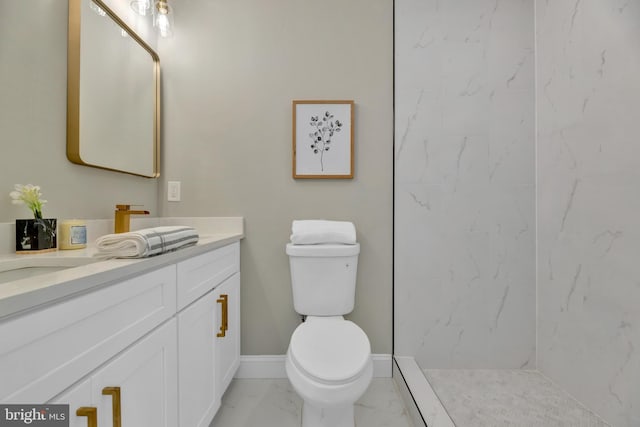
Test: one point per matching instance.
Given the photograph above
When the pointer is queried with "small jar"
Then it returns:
(72, 234)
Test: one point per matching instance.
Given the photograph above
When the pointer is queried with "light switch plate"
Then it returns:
(173, 191)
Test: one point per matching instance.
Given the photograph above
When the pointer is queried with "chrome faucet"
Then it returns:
(122, 217)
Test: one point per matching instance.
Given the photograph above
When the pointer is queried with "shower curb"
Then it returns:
(425, 409)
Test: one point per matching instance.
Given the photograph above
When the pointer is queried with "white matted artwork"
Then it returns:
(323, 139)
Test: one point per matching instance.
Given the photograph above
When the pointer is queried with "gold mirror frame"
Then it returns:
(73, 88)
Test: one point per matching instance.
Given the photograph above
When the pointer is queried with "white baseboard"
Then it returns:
(261, 367)
(272, 366)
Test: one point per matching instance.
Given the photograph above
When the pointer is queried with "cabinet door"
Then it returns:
(228, 342)
(146, 375)
(76, 397)
(198, 401)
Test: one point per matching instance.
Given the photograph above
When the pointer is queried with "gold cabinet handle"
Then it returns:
(114, 392)
(224, 300)
(225, 312)
(91, 413)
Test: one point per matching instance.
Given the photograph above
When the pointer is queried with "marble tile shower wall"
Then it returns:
(465, 208)
(465, 183)
(588, 96)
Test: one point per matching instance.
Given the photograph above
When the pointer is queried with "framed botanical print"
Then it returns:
(323, 139)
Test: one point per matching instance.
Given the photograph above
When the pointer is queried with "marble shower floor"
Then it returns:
(274, 403)
(493, 398)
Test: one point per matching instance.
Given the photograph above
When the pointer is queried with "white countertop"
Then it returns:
(31, 292)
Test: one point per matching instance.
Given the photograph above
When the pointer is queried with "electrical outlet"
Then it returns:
(173, 191)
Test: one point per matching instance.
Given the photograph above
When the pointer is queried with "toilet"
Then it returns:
(329, 359)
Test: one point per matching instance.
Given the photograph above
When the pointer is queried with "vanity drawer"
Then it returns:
(45, 351)
(200, 274)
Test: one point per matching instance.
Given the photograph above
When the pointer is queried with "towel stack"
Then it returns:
(146, 242)
(313, 232)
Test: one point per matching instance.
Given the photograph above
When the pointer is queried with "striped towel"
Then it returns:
(146, 242)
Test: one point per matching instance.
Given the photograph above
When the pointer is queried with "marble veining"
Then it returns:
(464, 210)
(588, 63)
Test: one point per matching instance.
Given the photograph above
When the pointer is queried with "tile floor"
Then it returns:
(493, 398)
(274, 403)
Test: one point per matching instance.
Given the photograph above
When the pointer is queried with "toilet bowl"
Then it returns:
(329, 365)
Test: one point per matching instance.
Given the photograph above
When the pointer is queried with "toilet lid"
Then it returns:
(331, 350)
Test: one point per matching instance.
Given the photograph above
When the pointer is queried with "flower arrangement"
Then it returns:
(38, 234)
(29, 195)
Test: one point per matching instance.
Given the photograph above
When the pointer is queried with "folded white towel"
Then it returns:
(316, 231)
(146, 242)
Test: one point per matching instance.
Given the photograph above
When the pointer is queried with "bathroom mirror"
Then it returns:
(113, 93)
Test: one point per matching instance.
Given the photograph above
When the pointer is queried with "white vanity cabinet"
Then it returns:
(208, 332)
(149, 342)
(138, 387)
(45, 351)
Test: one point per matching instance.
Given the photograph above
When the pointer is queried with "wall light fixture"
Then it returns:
(163, 18)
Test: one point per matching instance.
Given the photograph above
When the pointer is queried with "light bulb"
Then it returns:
(141, 7)
(97, 9)
(163, 26)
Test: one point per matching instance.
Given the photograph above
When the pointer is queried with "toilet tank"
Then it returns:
(323, 278)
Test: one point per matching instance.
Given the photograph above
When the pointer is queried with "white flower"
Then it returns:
(29, 195)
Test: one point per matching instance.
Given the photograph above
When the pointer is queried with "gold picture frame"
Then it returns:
(323, 139)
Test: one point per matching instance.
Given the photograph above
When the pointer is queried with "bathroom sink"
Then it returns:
(21, 268)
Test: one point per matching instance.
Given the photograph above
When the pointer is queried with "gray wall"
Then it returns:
(33, 105)
(464, 205)
(230, 74)
(588, 86)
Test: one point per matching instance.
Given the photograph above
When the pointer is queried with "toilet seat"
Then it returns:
(330, 350)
